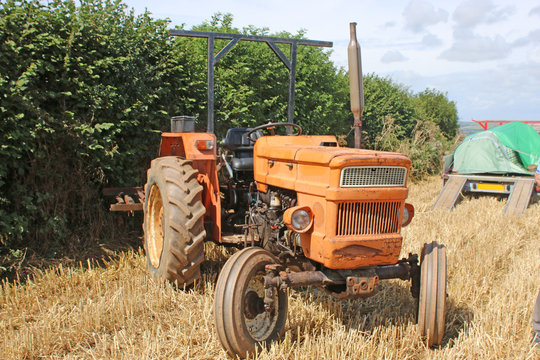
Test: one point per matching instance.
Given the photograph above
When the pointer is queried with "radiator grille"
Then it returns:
(371, 176)
(368, 218)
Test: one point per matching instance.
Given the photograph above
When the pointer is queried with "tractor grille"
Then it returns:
(368, 218)
(372, 176)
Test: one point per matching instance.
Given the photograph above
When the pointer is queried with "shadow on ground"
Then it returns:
(394, 305)
(117, 234)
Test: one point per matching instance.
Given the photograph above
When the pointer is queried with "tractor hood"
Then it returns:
(335, 157)
(285, 160)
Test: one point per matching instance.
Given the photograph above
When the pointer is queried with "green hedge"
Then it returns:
(83, 92)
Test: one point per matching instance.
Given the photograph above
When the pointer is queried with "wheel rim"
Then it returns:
(154, 227)
(259, 322)
(242, 323)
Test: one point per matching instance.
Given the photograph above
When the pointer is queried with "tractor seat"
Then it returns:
(238, 143)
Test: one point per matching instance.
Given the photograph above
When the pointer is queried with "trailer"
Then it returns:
(498, 162)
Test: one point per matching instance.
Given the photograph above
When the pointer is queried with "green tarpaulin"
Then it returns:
(506, 149)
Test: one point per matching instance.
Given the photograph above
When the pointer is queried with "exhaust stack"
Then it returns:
(356, 84)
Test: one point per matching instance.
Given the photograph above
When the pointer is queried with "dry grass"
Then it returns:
(115, 311)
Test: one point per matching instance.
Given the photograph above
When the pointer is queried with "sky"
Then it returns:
(484, 54)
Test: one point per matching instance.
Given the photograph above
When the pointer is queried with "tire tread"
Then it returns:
(183, 251)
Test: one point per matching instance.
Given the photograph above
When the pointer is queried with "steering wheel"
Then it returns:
(270, 126)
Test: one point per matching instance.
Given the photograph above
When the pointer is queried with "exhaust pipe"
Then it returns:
(356, 85)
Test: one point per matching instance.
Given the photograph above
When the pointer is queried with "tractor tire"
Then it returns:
(173, 221)
(432, 299)
(242, 322)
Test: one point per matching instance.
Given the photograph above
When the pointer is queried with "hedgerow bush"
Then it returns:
(425, 146)
(422, 126)
(84, 91)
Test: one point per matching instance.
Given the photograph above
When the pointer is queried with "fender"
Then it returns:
(200, 148)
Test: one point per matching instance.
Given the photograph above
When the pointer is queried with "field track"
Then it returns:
(114, 311)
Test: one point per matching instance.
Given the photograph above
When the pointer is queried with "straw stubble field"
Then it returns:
(114, 311)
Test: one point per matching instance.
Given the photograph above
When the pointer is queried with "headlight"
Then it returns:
(405, 219)
(300, 219)
(408, 214)
(204, 144)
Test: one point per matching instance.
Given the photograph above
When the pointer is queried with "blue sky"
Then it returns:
(485, 54)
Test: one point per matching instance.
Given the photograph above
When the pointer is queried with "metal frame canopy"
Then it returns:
(235, 38)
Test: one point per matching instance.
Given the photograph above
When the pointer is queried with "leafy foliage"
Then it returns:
(424, 147)
(386, 101)
(83, 91)
(421, 125)
(432, 105)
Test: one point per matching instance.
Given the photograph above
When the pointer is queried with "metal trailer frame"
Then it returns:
(234, 39)
(485, 123)
(519, 190)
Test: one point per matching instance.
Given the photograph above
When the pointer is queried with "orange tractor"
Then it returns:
(304, 211)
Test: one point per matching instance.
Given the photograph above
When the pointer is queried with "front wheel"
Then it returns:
(242, 321)
(432, 299)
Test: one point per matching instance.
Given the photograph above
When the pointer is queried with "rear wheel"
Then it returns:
(242, 322)
(173, 221)
(432, 299)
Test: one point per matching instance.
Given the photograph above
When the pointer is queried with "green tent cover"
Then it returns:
(506, 149)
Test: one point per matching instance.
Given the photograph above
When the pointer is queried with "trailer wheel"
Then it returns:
(173, 221)
(432, 299)
(242, 322)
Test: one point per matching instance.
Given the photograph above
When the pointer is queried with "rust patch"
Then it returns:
(356, 251)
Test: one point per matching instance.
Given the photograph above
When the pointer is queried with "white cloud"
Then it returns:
(535, 11)
(534, 56)
(508, 92)
(393, 56)
(471, 41)
(431, 40)
(419, 14)
(531, 38)
(477, 48)
(472, 12)
(501, 14)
